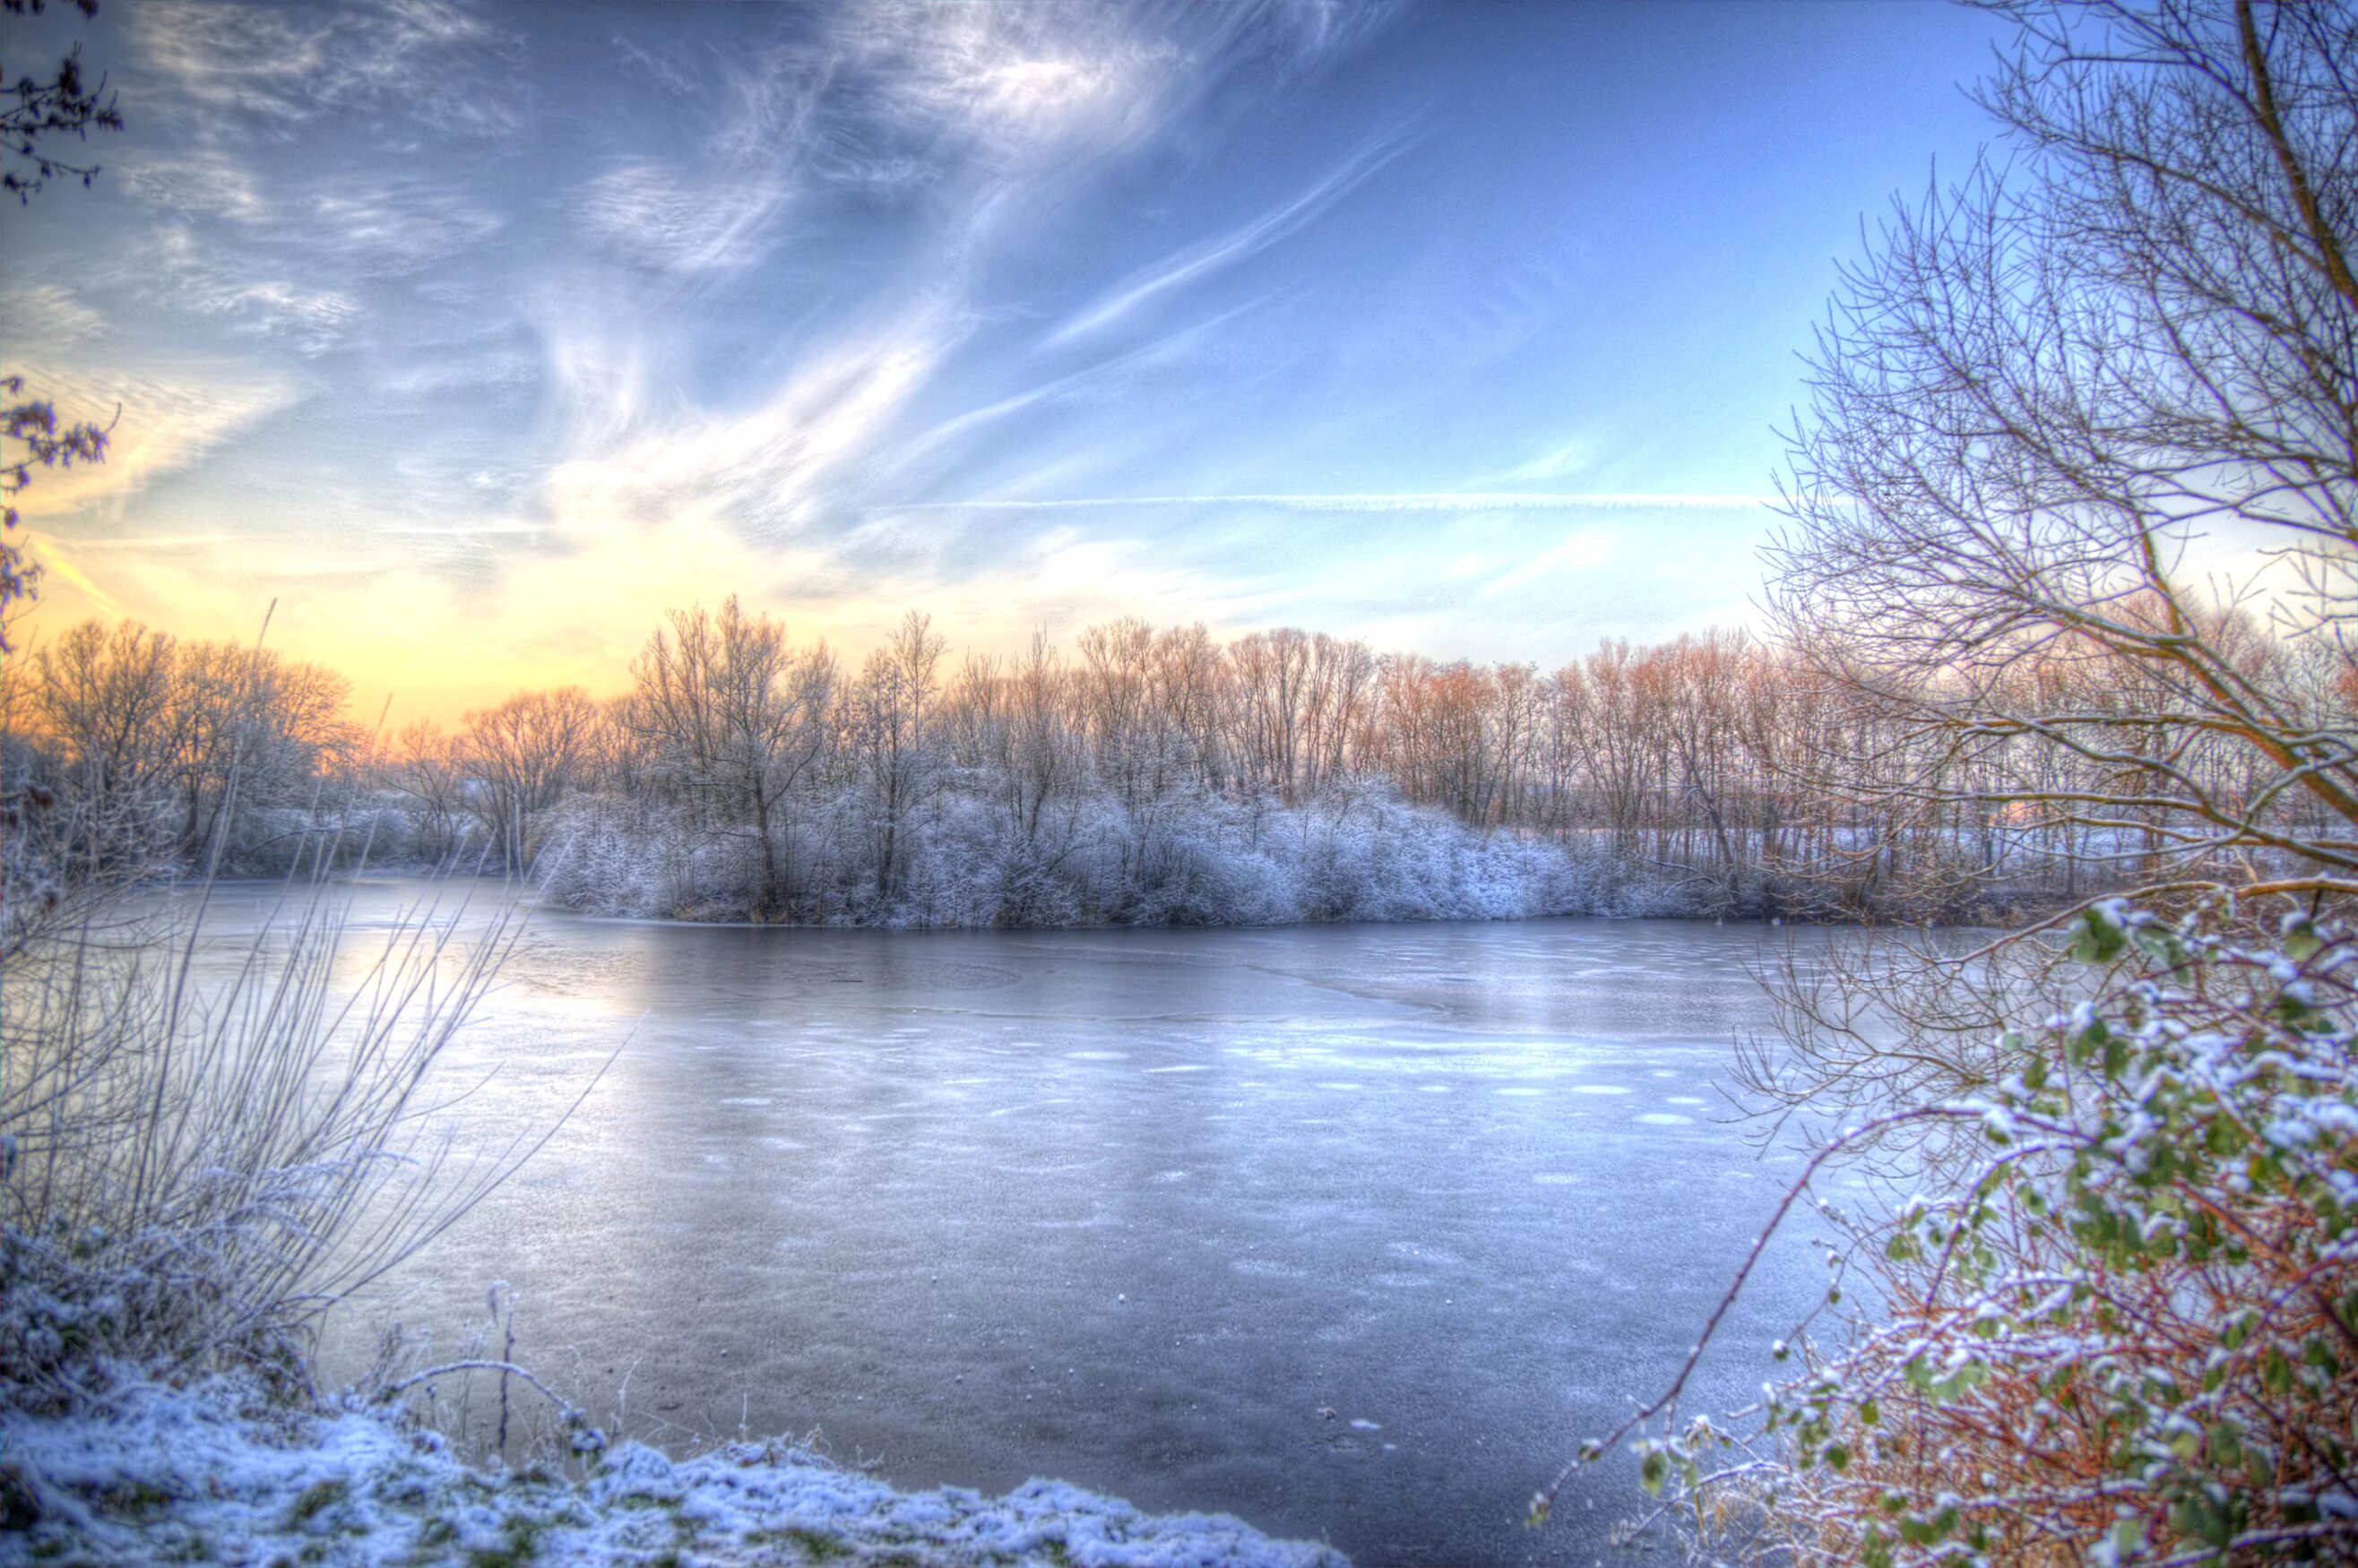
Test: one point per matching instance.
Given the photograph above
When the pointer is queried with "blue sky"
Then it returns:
(476, 336)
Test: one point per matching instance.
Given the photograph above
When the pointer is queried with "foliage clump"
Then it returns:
(2124, 1328)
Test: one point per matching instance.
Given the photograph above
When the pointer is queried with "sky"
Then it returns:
(476, 336)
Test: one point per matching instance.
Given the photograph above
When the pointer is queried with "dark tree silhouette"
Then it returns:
(64, 105)
(43, 110)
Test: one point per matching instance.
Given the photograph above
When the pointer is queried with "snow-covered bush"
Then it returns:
(1188, 858)
(2120, 1324)
(196, 1159)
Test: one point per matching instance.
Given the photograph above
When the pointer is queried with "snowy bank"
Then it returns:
(219, 1473)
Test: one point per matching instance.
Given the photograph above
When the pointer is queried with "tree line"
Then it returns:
(1161, 774)
(124, 751)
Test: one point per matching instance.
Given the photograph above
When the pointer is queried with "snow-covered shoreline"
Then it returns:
(217, 1471)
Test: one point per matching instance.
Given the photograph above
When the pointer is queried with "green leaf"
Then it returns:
(2099, 941)
(2227, 1444)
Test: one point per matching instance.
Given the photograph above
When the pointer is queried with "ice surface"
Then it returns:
(920, 1246)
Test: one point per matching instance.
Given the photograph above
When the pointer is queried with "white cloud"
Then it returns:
(769, 108)
(1556, 462)
(386, 227)
(1319, 27)
(42, 317)
(765, 469)
(268, 64)
(656, 216)
(158, 422)
(1581, 550)
(1004, 79)
(1224, 251)
(197, 183)
(312, 320)
(1395, 500)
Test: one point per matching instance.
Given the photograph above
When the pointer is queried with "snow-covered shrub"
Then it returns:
(1189, 857)
(2121, 1324)
(603, 858)
(189, 1153)
(954, 871)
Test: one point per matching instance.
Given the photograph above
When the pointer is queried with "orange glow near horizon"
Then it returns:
(415, 646)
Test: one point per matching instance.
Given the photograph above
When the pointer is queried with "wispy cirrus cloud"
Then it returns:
(266, 66)
(208, 183)
(761, 276)
(286, 249)
(37, 317)
(311, 321)
(158, 422)
(1223, 251)
(1556, 462)
(766, 471)
(1396, 501)
(383, 226)
(661, 218)
(1584, 549)
(859, 104)
(1077, 384)
(996, 80)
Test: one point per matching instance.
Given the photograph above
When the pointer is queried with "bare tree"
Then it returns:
(1115, 689)
(2041, 393)
(521, 757)
(62, 105)
(736, 721)
(424, 767)
(891, 720)
(1043, 767)
(1340, 709)
(1272, 687)
(103, 699)
(247, 728)
(2042, 400)
(1190, 690)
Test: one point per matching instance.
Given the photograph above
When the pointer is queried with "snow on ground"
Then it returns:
(216, 1473)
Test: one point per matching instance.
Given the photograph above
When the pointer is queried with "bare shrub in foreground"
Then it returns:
(205, 1149)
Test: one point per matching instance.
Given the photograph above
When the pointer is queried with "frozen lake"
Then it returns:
(1353, 1232)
